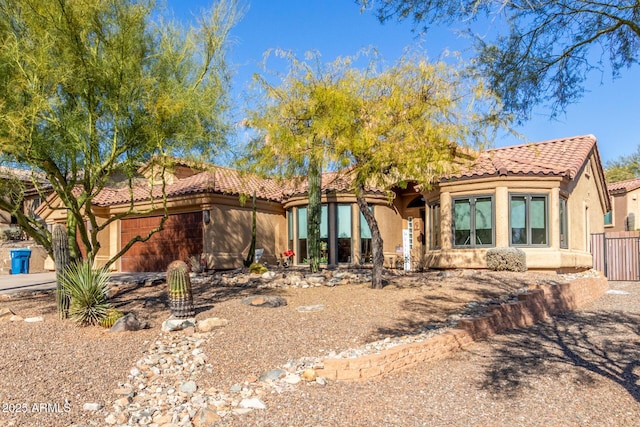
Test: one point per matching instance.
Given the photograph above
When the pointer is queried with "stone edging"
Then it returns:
(533, 306)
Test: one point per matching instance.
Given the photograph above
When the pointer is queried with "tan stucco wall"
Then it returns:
(227, 237)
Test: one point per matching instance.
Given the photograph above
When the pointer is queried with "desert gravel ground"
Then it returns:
(579, 369)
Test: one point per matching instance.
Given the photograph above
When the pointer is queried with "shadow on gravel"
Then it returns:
(604, 344)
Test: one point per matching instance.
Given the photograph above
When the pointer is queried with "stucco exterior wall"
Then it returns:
(227, 236)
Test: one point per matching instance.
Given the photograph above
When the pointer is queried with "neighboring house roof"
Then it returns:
(624, 186)
(24, 175)
(216, 180)
(558, 157)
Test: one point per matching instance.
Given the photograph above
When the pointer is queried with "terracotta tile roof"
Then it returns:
(624, 186)
(338, 182)
(216, 180)
(558, 157)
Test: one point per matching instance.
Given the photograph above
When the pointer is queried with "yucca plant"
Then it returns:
(87, 287)
(180, 296)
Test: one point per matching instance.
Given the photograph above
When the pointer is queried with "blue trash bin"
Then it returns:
(20, 261)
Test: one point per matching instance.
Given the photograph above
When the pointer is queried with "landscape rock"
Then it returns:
(309, 375)
(205, 417)
(265, 301)
(208, 325)
(172, 324)
(34, 319)
(310, 308)
(91, 407)
(273, 375)
(269, 275)
(252, 403)
(128, 322)
(5, 314)
(189, 387)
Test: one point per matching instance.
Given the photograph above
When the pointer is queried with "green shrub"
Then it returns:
(87, 288)
(258, 268)
(506, 259)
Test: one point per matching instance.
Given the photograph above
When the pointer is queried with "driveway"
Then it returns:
(15, 283)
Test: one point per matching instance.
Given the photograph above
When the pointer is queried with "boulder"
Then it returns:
(173, 324)
(208, 325)
(265, 301)
(128, 322)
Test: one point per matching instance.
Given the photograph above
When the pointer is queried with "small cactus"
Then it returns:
(180, 295)
(60, 243)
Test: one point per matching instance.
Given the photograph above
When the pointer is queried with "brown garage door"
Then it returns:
(180, 239)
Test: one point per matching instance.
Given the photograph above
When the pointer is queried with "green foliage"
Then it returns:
(257, 268)
(87, 289)
(623, 168)
(548, 46)
(382, 127)
(180, 294)
(111, 318)
(92, 89)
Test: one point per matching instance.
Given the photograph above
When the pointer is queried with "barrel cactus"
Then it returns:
(60, 246)
(111, 318)
(180, 295)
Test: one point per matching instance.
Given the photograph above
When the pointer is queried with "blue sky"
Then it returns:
(609, 110)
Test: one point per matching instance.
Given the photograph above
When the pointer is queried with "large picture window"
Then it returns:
(473, 221)
(344, 233)
(302, 236)
(324, 235)
(290, 229)
(434, 218)
(366, 248)
(528, 219)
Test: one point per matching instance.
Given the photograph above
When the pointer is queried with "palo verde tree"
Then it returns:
(411, 122)
(92, 89)
(294, 120)
(546, 48)
(384, 127)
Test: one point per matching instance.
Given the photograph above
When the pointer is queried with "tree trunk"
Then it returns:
(376, 239)
(314, 213)
(252, 248)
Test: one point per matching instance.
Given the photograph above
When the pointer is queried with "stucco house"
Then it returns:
(625, 206)
(545, 198)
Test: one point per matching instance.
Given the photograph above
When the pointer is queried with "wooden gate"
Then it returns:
(617, 254)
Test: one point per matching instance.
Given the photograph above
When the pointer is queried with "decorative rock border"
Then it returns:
(533, 306)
